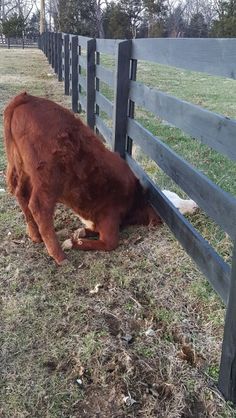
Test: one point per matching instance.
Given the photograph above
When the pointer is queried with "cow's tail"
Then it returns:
(10, 146)
(7, 117)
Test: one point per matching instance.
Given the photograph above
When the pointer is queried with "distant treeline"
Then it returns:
(123, 19)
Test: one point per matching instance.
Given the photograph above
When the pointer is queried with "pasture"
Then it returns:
(132, 333)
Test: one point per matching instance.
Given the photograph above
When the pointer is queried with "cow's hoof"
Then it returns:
(63, 262)
(36, 239)
(67, 244)
(34, 235)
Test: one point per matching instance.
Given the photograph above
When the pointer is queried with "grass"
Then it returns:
(67, 352)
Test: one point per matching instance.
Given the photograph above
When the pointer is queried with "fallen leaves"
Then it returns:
(189, 354)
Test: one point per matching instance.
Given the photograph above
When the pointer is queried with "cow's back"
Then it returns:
(42, 125)
(40, 137)
(57, 151)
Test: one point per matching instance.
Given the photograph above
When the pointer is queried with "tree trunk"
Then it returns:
(42, 16)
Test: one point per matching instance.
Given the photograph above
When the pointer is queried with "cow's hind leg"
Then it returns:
(108, 230)
(77, 235)
(42, 208)
(22, 193)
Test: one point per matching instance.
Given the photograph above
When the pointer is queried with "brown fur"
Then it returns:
(53, 157)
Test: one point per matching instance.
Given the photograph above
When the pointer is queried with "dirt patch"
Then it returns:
(132, 333)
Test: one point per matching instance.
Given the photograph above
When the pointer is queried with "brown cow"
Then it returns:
(53, 157)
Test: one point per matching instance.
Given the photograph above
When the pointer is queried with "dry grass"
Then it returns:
(67, 352)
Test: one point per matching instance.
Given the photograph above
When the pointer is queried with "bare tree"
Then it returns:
(21, 7)
(207, 8)
(5, 7)
(52, 14)
(175, 22)
(2, 9)
(42, 16)
(99, 17)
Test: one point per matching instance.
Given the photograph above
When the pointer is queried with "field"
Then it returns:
(132, 333)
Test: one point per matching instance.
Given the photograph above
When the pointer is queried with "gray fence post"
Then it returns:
(63, 57)
(55, 53)
(59, 56)
(49, 47)
(70, 64)
(97, 86)
(46, 44)
(74, 73)
(133, 73)
(91, 49)
(53, 47)
(66, 65)
(79, 73)
(227, 378)
(121, 90)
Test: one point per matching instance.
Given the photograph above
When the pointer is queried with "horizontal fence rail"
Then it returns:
(104, 130)
(83, 102)
(83, 82)
(104, 104)
(83, 62)
(107, 46)
(83, 40)
(212, 129)
(213, 56)
(76, 60)
(105, 75)
(218, 204)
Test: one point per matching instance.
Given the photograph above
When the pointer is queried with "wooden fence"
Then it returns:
(74, 56)
(18, 42)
